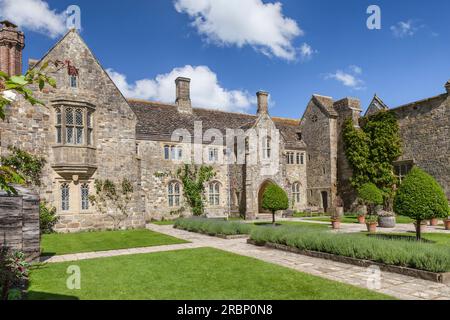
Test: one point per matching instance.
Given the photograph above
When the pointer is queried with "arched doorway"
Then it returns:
(262, 189)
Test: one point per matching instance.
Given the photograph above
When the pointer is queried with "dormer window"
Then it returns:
(74, 125)
(73, 81)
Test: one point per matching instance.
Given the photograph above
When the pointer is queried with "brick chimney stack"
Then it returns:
(183, 101)
(447, 86)
(263, 102)
(12, 42)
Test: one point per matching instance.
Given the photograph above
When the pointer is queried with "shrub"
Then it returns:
(47, 218)
(275, 199)
(213, 227)
(421, 198)
(417, 255)
(13, 273)
(370, 195)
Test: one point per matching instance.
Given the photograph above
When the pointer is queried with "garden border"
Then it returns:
(425, 275)
(221, 236)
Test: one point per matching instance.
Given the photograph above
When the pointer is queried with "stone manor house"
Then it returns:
(88, 130)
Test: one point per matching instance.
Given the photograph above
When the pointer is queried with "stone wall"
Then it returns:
(318, 131)
(425, 132)
(19, 222)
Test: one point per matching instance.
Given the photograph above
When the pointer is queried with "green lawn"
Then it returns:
(59, 244)
(354, 219)
(187, 274)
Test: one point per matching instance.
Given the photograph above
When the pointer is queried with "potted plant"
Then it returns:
(362, 212)
(447, 223)
(420, 197)
(434, 222)
(336, 222)
(386, 219)
(372, 223)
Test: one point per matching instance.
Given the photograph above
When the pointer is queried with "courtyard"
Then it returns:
(166, 263)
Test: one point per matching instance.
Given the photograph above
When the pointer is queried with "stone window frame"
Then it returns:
(290, 157)
(84, 197)
(65, 196)
(173, 152)
(296, 192)
(267, 148)
(213, 155)
(86, 138)
(214, 189)
(402, 169)
(174, 191)
(73, 81)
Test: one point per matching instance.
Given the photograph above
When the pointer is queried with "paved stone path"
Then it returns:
(122, 252)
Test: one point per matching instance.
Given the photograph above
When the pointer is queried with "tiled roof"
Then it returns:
(326, 102)
(157, 121)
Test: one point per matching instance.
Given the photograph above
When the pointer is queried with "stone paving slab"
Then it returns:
(122, 252)
(396, 285)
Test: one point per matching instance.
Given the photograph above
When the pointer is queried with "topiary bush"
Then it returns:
(275, 199)
(370, 195)
(420, 197)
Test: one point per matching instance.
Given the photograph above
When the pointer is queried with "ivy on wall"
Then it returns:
(372, 149)
(194, 178)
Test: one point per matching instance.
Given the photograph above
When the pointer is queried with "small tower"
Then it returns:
(12, 42)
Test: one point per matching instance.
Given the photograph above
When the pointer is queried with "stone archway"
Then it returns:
(261, 191)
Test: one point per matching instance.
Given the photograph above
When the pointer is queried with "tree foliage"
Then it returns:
(420, 197)
(13, 271)
(372, 149)
(194, 178)
(10, 87)
(25, 164)
(370, 195)
(275, 199)
(113, 199)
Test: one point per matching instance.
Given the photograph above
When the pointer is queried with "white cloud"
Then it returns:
(349, 79)
(206, 90)
(251, 22)
(404, 29)
(306, 52)
(34, 15)
(356, 69)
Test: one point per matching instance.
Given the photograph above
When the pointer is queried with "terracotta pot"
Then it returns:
(447, 224)
(361, 219)
(423, 227)
(372, 227)
(336, 224)
(434, 222)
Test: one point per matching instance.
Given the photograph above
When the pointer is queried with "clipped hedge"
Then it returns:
(213, 227)
(418, 255)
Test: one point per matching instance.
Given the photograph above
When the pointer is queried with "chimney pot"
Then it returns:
(263, 102)
(183, 92)
(12, 42)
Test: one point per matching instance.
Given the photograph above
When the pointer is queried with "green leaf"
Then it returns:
(19, 80)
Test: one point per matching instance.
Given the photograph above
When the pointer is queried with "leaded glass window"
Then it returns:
(174, 192)
(65, 197)
(296, 192)
(73, 125)
(85, 196)
(214, 193)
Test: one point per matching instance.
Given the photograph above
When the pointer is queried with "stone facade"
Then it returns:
(88, 130)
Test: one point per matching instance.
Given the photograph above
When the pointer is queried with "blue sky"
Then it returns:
(407, 60)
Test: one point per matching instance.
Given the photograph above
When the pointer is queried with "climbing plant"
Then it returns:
(194, 178)
(372, 149)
